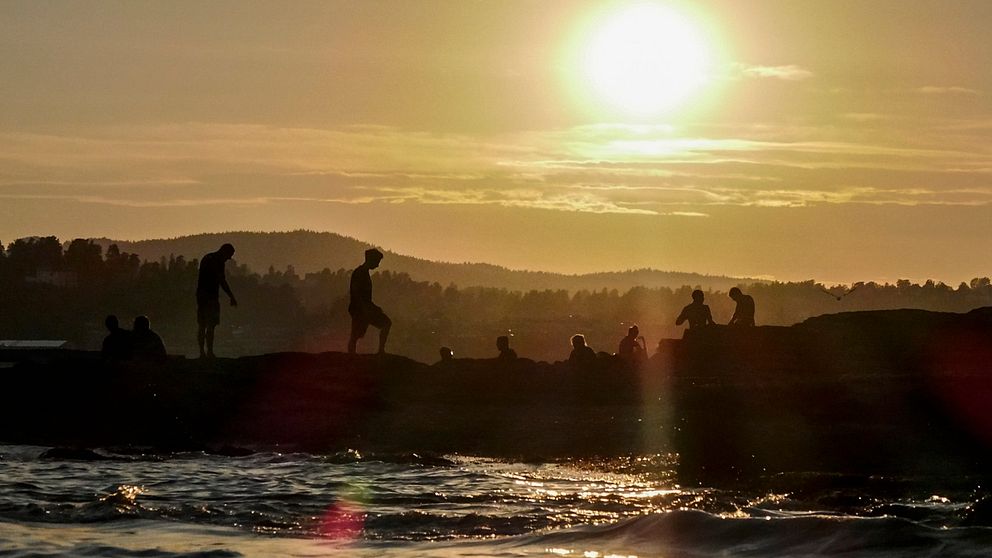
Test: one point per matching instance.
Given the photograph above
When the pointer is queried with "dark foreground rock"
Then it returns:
(889, 392)
(325, 402)
(880, 392)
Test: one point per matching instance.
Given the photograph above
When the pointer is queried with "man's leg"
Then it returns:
(358, 328)
(210, 341)
(201, 335)
(384, 334)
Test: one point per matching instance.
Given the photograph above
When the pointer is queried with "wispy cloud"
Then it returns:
(654, 170)
(864, 116)
(947, 90)
(790, 72)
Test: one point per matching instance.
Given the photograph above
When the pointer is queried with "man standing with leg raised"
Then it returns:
(363, 311)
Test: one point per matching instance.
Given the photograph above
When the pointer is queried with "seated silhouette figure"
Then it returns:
(117, 343)
(582, 355)
(744, 313)
(363, 311)
(697, 314)
(505, 352)
(631, 348)
(146, 344)
(446, 354)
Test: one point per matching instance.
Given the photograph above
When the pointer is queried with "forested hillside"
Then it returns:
(308, 251)
(51, 290)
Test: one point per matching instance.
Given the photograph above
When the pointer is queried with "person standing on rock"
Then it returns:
(208, 284)
(363, 311)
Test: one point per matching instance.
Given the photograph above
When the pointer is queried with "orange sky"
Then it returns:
(842, 140)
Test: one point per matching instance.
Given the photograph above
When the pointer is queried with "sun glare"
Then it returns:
(645, 60)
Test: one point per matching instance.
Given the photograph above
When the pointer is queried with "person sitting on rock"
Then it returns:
(744, 313)
(631, 348)
(147, 345)
(697, 314)
(505, 352)
(117, 344)
(582, 355)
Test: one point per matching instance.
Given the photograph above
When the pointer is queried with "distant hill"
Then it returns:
(309, 251)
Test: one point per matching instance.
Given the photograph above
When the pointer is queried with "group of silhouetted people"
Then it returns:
(698, 314)
(121, 344)
(140, 343)
(143, 343)
(632, 348)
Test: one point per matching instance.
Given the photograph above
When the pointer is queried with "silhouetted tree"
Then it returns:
(28, 256)
(84, 257)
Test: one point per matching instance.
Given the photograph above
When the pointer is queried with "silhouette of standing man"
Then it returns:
(744, 313)
(363, 312)
(208, 284)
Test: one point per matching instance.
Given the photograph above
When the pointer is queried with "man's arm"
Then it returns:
(227, 289)
(681, 319)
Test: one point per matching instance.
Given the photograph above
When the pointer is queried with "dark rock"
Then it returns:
(869, 392)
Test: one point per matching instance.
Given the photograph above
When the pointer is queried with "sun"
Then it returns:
(645, 60)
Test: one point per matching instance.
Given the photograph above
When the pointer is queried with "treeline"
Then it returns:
(52, 290)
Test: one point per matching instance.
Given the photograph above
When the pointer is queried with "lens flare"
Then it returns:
(343, 521)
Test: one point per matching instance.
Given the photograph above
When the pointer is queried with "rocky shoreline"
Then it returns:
(901, 391)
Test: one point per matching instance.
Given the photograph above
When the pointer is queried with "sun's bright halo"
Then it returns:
(646, 59)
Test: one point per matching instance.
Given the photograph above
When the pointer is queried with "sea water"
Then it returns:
(124, 502)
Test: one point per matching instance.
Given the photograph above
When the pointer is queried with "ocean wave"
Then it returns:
(419, 503)
(700, 534)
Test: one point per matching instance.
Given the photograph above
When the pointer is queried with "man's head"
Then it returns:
(372, 258)
(697, 296)
(502, 343)
(112, 323)
(142, 323)
(446, 353)
(735, 293)
(578, 340)
(633, 331)
(226, 251)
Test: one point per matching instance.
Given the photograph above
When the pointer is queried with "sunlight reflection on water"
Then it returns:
(356, 505)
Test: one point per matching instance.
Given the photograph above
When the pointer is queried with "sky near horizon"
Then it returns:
(793, 139)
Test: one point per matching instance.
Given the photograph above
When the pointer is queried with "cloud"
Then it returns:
(789, 72)
(608, 168)
(864, 116)
(947, 90)
(528, 198)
